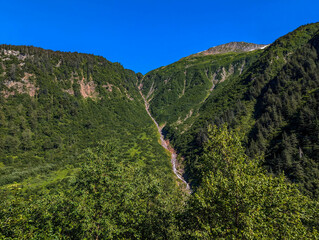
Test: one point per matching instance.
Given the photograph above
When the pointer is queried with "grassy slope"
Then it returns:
(176, 92)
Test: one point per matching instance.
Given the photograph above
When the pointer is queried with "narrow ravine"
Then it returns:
(166, 145)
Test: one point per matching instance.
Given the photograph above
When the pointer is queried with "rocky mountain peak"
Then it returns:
(231, 47)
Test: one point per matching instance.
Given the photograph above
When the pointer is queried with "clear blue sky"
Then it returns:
(143, 35)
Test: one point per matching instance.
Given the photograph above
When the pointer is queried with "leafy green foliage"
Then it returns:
(58, 177)
(108, 198)
(238, 200)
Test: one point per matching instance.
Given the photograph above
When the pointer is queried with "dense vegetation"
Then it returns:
(273, 103)
(55, 109)
(238, 200)
(109, 199)
(80, 158)
(177, 91)
(78, 100)
(289, 108)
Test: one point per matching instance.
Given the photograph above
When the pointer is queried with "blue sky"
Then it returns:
(144, 35)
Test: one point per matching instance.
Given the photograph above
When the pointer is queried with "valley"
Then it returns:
(165, 144)
(222, 144)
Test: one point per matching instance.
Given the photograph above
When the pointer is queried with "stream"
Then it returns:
(165, 144)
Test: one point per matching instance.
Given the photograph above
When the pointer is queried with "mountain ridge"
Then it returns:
(231, 47)
(180, 96)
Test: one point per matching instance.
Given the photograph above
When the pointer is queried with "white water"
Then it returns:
(165, 145)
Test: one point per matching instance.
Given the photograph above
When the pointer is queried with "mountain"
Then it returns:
(74, 133)
(177, 91)
(81, 154)
(54, 105)
(218, 91)
(231, 47)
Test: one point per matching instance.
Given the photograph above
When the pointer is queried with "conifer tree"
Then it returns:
(238, 200)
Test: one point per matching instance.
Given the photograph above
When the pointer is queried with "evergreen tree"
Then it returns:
(238, 200)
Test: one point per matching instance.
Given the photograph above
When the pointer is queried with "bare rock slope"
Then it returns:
(231, 47)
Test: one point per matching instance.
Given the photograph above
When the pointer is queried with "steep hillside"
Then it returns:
(238, 103)
(176, 92)
(240, 100)
(74, 133)
(54, 104)
(287, 114)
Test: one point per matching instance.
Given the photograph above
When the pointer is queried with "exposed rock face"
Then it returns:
(87, 89)
(231, 47)
(17, 54)
(25, 86)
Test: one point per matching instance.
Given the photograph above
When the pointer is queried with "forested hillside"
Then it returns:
(80, 158)
(74, 127)
(272, 104)
(177, 91)
(54, 105)
(287, 128)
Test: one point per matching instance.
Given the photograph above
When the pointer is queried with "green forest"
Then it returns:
(80, 158)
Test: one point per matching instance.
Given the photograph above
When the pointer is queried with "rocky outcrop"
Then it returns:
(231, 47)
(25, 86)
(87, 89)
